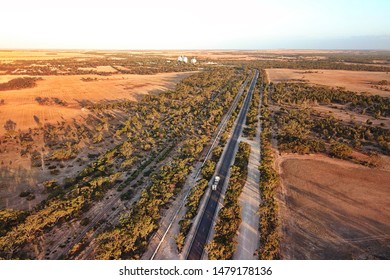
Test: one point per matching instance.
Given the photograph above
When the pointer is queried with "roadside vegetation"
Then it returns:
(10, 218)
(252, 118)
(192, 205)
(269, 179)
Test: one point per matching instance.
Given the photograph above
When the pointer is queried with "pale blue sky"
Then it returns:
(201, 24)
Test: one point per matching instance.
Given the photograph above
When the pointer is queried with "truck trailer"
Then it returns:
(215, 184)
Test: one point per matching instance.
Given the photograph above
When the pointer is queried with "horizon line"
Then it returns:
(195, 49)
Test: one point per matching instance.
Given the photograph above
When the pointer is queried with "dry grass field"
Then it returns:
(14, 55)
(21, 105)
(334, 209)
(359, 81)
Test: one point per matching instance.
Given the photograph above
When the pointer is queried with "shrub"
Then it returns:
(340, 150)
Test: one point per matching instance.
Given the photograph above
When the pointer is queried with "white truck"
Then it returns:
(215, 184)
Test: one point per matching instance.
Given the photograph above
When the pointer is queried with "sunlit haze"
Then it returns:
(201, 24)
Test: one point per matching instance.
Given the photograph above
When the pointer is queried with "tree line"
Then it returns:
(269, 180)
(19, 83)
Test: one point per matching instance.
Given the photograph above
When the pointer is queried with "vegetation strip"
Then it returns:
(252, 117)
(269, 178)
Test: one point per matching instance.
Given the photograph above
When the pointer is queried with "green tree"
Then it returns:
(208, 169)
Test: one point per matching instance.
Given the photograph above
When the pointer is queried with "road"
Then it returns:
(158, 242)
(203, 230)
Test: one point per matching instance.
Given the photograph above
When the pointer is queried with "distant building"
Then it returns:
(182, 58)
(193, 60)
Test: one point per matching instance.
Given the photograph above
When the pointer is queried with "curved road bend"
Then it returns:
(203, 230)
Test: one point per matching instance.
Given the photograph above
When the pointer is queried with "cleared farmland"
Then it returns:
(359, 81)
(74, 92)
(333, 209)
(14, 55)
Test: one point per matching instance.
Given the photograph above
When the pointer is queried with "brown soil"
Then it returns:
(359, 81)
(333, 209)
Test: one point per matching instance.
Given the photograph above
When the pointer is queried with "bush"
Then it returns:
(208, 169)
(340, 150)
(50, 185)
(10, 218)
(84, 222)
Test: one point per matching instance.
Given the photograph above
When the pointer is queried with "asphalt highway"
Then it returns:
(203, 230)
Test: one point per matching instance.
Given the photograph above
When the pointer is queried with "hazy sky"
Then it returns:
(200, 24)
